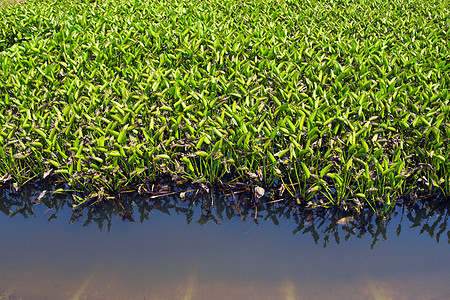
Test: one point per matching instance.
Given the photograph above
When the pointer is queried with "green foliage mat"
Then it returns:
(344, 98)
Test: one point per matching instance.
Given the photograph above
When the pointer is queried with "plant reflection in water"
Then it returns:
(323, 224)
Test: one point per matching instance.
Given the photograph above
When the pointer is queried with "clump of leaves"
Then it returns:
(347, 101)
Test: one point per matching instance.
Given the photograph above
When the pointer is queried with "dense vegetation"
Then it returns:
(346, 99)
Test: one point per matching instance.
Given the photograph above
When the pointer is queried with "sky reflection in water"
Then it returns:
(223, 253)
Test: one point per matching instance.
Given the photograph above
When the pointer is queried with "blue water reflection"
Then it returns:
(221, 253)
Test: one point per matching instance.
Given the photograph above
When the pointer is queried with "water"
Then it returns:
(220, 254)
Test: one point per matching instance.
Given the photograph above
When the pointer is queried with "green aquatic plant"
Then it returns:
(338, 103)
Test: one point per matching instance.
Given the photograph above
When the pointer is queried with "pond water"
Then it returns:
(166, 248)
